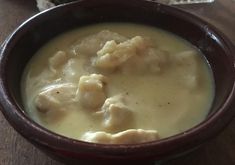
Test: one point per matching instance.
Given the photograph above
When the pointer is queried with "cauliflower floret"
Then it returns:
(56, 61)
(92, 91)
(115, 113)
(56, 97)
(113, 55)
(130, 136)
(91, 44)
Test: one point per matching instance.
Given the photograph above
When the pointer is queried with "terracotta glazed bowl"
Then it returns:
(31, 35)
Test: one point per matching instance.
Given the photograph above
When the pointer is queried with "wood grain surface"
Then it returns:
(14, 150)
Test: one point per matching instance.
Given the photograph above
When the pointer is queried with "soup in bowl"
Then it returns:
(80, 86)
(118, 83)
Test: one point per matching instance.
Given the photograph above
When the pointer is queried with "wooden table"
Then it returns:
(14, 150)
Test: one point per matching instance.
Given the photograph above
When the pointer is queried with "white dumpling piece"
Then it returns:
(92, 90)
(56, 97)
(57, 60)
(130, 136)
(151, 60)
(189, 75)
(91, 44)
(113, 54)
(115, 113)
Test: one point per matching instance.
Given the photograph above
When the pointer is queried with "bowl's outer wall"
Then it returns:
(30, 36)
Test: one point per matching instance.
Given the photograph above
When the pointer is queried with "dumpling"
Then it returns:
(189, 73)
(151, 60)
(115, 113)
(56, 97)
(113, 54)
(56, 61)
(92, 90)
(130, 136)
(91, 44)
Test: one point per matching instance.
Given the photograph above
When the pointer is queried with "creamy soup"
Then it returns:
(118, 83)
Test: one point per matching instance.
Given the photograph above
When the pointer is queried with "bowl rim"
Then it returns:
(40, 135)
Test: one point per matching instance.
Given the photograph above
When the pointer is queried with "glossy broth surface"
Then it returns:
(171, 93)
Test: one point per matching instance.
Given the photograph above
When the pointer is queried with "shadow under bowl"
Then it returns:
(35, 32)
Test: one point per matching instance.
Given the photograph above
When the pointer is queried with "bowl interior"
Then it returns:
(34, 33)
(30, 36)
(40, 30)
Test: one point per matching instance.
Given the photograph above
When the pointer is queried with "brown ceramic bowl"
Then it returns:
(31, 35)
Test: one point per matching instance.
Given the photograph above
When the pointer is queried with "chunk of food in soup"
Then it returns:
(57, 60)
(91, 90)
(112, 54)
(92, 43)
(115, 113)
(130, 136)
(55, 97)
(118, 83)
